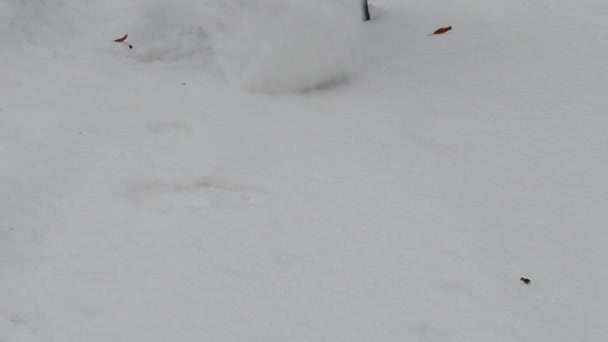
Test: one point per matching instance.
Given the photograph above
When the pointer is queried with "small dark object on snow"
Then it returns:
(183, 83)
(365, 7)
(525, 280)
(120, 40)
(124, 40)
(441, 30)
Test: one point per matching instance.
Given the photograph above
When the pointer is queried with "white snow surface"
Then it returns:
(279, 171)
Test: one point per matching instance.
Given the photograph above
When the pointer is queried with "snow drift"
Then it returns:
(261, 45)
(274, 46)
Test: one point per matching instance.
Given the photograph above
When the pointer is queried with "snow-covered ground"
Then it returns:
(232, 178)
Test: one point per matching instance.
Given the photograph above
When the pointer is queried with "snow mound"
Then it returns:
(163, 32)
(279, 45)
(34, 21)
(257, 45)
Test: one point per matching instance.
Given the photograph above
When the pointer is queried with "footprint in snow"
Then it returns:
(165, 127)
(197, 193)
(12, 325)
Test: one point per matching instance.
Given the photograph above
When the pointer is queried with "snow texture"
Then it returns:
(277, 46)
(232, 178)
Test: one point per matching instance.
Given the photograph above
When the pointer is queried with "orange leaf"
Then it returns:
(120, 40)
(442, 30)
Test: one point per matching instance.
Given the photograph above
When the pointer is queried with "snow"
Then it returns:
(217, 183)
(321, 38)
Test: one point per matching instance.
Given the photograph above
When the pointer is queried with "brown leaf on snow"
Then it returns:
(120, 40)
(441, 30)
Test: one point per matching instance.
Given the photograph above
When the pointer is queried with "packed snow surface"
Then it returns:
(277, 170)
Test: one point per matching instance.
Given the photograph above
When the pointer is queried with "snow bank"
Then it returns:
(259, 45)
(278, 45)
(35, 21)
(165, 32)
